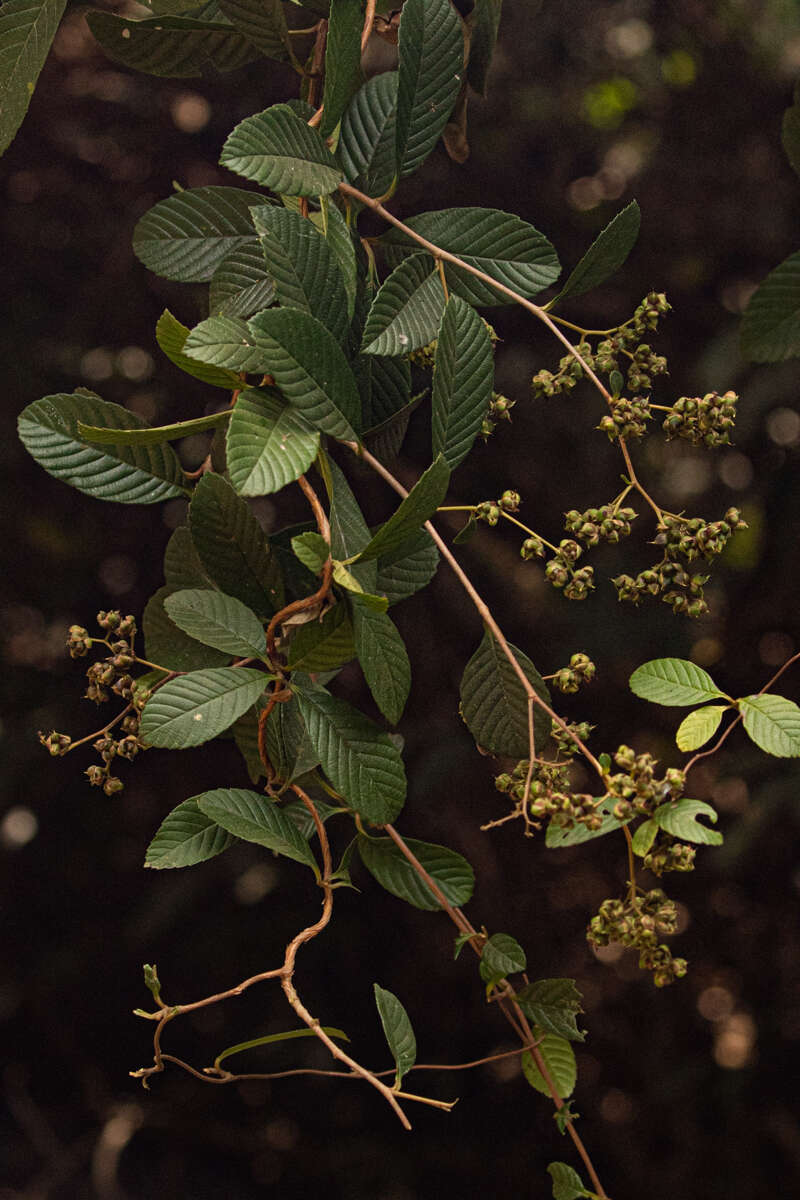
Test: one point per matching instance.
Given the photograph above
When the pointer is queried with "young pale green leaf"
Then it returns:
(171, 47)
(493, 701)
(186, 836)
(188, 235)
(240, 285)
(48, 429)
(700, 725)
(644, 837)
(462, 381)
(256, 818)
(262, 23)
(343, 74)
(27, 29)
(382, 655)
(567, 1183)
(397, 1028)
(367, 142)
(419, 505)
(407, 310)
(431, 61)
(151, 436)
(771, 324)
(407, 568)
(449, 870)
(349, 531)
(310, 368)
(485, 23)
(559, 1059)
(171, 336)
(497, 243)
(194, 708)
(606, 254)
(773, 723)
(502, 956)
(169, 646)
(270, 1038)
(232, 546)
(289, 747)
(359, 759)
(217, 620)
(268, 443)
(277, 149)
(679, 817)
(790, 132)
(228, 342)
(312, 550)
(673, 682)
(323, 645)
(182, 567)
(553, 1005)
(557, 836)
(303, 267)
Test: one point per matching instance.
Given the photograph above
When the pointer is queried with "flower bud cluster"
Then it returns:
(546, 383)
(581, 669)
(703, 420)
(670, 856)
(550, 795)
(564, 743)
(56, 743)
(562, 573)
(490, 511)
(606, 524)
(636, 790)
(627, 418)
(639, 923)
(499, 410)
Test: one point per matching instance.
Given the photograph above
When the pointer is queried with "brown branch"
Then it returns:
(323, 525)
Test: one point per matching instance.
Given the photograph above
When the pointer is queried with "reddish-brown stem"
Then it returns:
(297, 606)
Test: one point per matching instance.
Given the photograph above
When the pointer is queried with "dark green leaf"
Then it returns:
(559, 1058)
(27, 29)
(385, 440)
(567, 1184)
(323, 645)
(494, 705)
(182, 567)
(407, 568)
(773, 723)
(336, 232)
(679, 817)
(169, 646)
(502, 956)
(269, 443)
(673, 682)
(387, 388)
(485, 23)
(299, 815)
(277, 149)
(171, 336)
(172, 47)
(367, 142)
(396, 1026)
(449, 870)
(349, 531)
(240, 286)
(463, 374)
(48, 429)
(553, 1005)
(245, 735)
(383, 658)
(188, 235)
(358, 758)
(289, 747)
(407, 310)
(217, 620)
(312, 550)
(194, 708)
(431, 61)
(233, 548)
(185, 837)
(606, 254)
(256, 818)
(150, 436)
(771, 323)
(343, 75)
(700, 725)
(262, 23)
(419, 505)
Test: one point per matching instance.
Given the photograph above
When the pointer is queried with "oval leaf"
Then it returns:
(463, 373)
(27, 29)
(367, 144)
(268, 443)
(559, 1059)
(773, 722)
(255, 818)
(188, 235)
(502, 956)
(277, 149)
(431, 59)
(450, 871)
(673, 682)
(194, 708)
(382, 655)
(419, 505)
(169, 646)
(217, 620)
(606, 254)
(185, 837)
(171, 336)
(240, 285)
(771, 323)
(567, 1184)
(553, 1005)
(407, 310)
(493, 701)
(171, 47)
(695, 730)
(679, 818)
(557, 836)
(397, 1030)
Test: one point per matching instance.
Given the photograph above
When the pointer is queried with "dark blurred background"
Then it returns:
(688, 1092)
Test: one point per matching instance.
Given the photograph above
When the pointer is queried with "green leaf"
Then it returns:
(790, 133)
(501, 245)
(673, 682)
(407, 310)
(502, 956)
(407, 568)
(312, 550)
(387, 389)
(232, 546)
(385, 440)
(567, 1184)
(182, 567)
(360, 760)
(245, 735)
(606, 254)
(553, 1005)
(188, 235)
(171, 47)
(679, 817)
(418, 506)
(256, 818)
(695, 730)
(557, 836)
(304, 269)
(343, 75)
(559, 1058)
(485, 23)
(367, 142)
(773, 723)
(27, 29)
(335, 230)
(169, 646)
(150, 436)
(289, 747)
(262, 23)
(644, 837)
(323, 645)
(493, 701)
(396, 1026)
(217, 620)
(277, 149)
(299, 815)
(463, 374)
(431, 60)
(269, 444)
(186, 836)
(171, 336)
(771, 323)
(449, 870)
(48, 429)
(349, 531)
(383, 658)
(240, 285)
(270, 1038)
(195, 708)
